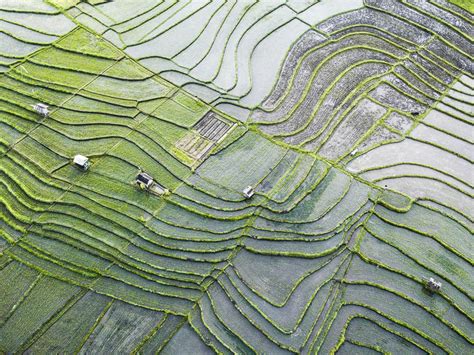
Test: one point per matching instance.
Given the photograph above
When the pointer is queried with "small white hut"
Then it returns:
(248, 192)
(81, 162)
(433, 285)
(42, 109)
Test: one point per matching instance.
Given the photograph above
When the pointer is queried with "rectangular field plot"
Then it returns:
(182, 110)
(31, 149)
(54, 57)
(370, 333)
(67, 78)
(144, 90)
(161, 335)
(16, 280)
(235, 168)
(121, 329)
(206, 133)
(83, 41)
(47, 297)
(186, 341)
(67, 334)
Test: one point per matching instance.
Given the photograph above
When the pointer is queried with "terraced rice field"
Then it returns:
(351, 120)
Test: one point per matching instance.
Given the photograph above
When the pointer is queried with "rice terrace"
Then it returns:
(236, 177)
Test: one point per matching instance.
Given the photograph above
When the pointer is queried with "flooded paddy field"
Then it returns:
(194, 177)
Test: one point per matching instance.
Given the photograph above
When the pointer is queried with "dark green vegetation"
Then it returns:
(332, 252)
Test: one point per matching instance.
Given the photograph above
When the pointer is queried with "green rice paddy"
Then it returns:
(350, 120)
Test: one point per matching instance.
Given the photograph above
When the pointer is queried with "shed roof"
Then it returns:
(80, 160)
(145, 178)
